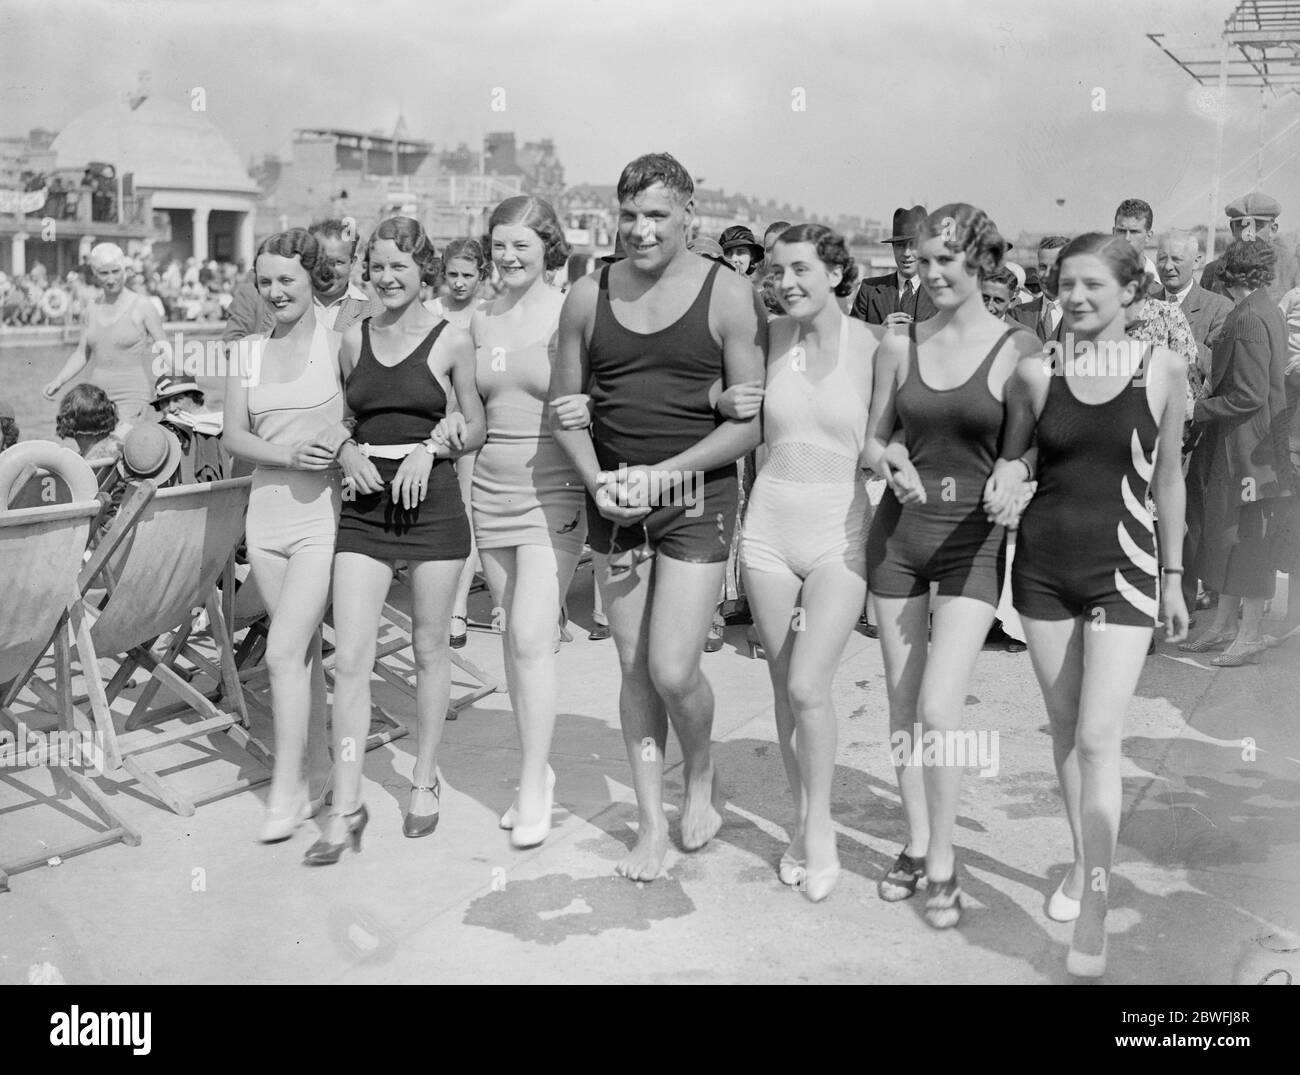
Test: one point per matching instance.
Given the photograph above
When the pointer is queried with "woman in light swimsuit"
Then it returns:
(116, 346)
(803, 549)
(284, 415)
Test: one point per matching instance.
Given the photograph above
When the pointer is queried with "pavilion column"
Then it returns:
(200, 239)
(18, 254)
(244, 248)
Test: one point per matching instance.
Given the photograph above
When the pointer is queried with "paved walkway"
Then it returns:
(1209, 856)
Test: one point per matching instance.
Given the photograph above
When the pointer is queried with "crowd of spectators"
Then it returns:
(180, 291)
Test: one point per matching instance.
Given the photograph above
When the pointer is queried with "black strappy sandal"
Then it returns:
(943, 902)
(901, 881)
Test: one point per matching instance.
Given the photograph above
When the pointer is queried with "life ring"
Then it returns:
(20, 460)
(55, 303)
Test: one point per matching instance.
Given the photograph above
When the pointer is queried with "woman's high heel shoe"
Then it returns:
(791, 870)
(943, 901)
(524, 836)
(1060, 907)
(511, 816)
(756, 650)
(325, 853)
(280, 826)
(417, 825)
(457, 639)
(817, 884)
(1205, 643)
(1082, 965)
(904, 876)
(1239, 653)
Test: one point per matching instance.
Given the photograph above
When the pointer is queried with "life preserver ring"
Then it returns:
(19, 461)
(55, 303)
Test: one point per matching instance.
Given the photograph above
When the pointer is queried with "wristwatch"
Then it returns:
(429, 446)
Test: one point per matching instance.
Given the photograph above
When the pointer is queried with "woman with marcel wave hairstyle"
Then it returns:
(285, 417)
(528, 500)
(401, 368)
(802, 550)
(936, 420)
(1108, 425)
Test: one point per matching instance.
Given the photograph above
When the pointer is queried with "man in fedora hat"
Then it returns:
(1254, 216)
(897, 298)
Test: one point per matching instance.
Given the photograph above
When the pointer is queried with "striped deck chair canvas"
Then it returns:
(165, 571)
(41, 553)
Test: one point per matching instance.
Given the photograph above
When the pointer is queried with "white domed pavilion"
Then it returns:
(179, 162)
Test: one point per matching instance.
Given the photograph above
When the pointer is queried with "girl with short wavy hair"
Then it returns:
(936, 419)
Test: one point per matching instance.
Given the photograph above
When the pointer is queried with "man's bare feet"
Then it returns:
(645, 861)
(702, 807)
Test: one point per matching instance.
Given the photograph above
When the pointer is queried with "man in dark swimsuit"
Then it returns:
(650, 335)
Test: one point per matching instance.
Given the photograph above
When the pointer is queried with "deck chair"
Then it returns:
(395, 667)
(41, 552)
(166, 563)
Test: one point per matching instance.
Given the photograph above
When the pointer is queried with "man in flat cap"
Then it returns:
(1254, 216)
(897, 297)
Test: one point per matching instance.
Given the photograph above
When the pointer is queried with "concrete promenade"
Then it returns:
(1208, 861)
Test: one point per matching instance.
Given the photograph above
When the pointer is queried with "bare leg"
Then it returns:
(831, 602)
(903, 626)
(1252, 617)
(1112, 662)
(682, 605)
(529, 582)
(296, 590)
(1056, 650)
(433, 589)
(465, 478)
(960, 626)
(772, 599)
(641, 712)
(361, 586)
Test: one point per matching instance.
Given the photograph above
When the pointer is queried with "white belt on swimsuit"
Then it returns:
(388, 451)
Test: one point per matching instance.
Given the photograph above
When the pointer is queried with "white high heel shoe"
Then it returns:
(280, 826)
(1082, 965)
(1063, 908)
(522, 836)
(511, 816)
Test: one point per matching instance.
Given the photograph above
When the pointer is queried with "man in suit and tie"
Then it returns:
(897, 298)
(1178, 258)
(1043, 315)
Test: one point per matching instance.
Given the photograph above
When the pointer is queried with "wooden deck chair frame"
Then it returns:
(391, 619)
(250, 652)
(42, 560)
(166, 561)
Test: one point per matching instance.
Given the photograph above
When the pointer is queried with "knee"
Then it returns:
(353, 660)
(806, 693)
(937, 712)
(671, 680)
(528, 640)
(1096, 746)
(286, 654)
(430, 647)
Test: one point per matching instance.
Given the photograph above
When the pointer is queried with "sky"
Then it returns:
(993, 102)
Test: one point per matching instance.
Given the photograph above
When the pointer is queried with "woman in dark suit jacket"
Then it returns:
(1242, 458)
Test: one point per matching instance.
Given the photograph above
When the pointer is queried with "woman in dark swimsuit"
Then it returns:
(940, 383)
(1085, 573)
(401, 502)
